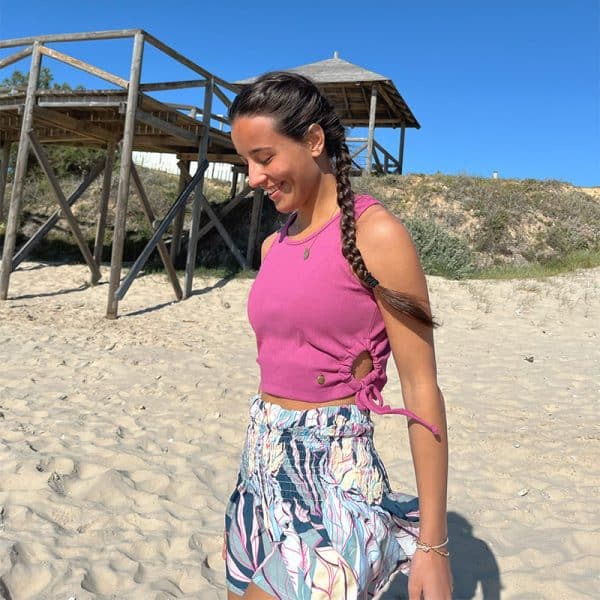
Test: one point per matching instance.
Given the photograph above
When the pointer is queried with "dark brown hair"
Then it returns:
(295, 103)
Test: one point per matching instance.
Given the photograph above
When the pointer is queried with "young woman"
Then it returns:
(340, 286)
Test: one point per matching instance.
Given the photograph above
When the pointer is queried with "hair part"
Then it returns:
(295, 103)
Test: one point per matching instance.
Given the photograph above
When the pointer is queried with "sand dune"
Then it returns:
(119, 440)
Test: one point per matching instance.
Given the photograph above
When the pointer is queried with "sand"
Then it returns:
(119, 440)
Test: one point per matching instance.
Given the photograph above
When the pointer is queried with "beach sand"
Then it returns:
(120, 440)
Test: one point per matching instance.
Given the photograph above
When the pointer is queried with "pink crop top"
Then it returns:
(312, 317)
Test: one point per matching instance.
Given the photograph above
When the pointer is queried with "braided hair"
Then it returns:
(295, 103)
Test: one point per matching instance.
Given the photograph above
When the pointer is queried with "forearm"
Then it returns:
(430, 459)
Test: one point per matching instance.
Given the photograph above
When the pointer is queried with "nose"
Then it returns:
(256, 176)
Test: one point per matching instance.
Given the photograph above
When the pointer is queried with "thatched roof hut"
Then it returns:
(362, 98)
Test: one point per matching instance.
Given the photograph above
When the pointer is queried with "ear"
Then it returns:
(315, 140)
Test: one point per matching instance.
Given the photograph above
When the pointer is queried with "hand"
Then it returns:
(430, 577)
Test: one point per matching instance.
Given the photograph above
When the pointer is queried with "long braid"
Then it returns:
(295, 102)
(402, 303)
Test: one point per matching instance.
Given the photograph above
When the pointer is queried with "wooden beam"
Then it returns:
(162, 248)
(17, 56)
(257, 204)
(188, 63)
(16, 202)
(103, 204)
(124, 173)
(4, 157)
(69, 37)
(184, 177)
(225, 210)
(83, 66)
(51, 221)
(160, 231)
(171, 85)
(197, 205)
(372, 112)
(80, 127)
(165, 126)
(42, 158)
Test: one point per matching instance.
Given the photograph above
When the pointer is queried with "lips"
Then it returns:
(272, 191)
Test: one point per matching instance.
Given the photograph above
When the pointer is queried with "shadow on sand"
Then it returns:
(473, 566)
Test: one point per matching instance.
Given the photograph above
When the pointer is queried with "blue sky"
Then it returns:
(512, 86)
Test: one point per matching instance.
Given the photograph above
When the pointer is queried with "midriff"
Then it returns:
(290, 404)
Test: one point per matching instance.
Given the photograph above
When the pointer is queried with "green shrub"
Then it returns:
(441, 252)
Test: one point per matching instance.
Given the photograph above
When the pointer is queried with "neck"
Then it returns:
(320, 208)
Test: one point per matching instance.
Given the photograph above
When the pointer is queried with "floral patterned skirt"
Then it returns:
(312, 514)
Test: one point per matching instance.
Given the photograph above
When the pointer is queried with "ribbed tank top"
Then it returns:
(312, 317)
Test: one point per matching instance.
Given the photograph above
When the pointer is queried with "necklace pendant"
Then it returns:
(306, 253)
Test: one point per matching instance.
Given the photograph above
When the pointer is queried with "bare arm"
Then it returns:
(391, 257)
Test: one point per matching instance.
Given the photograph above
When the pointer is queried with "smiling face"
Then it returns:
(287, 170)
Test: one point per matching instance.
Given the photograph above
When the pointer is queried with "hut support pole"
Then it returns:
(372, 112)
(257, 204)
(4, 156)
(184, 172)
(124, 175)
(197, 205)
(162, 248)
(401, 151)
(16, 201)
(103, 206)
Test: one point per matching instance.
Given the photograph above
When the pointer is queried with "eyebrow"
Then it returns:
(262, 149)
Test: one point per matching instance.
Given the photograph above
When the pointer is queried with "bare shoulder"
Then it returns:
(266, 245)
(388, 251)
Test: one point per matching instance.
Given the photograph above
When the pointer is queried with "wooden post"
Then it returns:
(4, 156)
(103, 206)
(234, 183)
(42, 158)
(197, 205)
(184, 176)
(401, 151)
(372, 112)
(162, 249)
(16, 201)
(124, 174)
(257, 204)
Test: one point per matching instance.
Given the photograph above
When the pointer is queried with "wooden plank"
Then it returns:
(84, 66)
(162, 248)
(257, 204)
(197, 205)
(16, 202)
(17, 56)
(103, 204)
(4, 157)
(372, 111)
(169, 128)
(171, 85)
(43, 230)
(42, 158)
(160, 231)
(69, 37)
(124, 173)
(80, 127)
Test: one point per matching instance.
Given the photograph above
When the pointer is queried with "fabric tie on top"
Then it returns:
(370, 398)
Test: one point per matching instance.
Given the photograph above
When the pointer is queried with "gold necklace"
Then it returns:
(306, 254)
